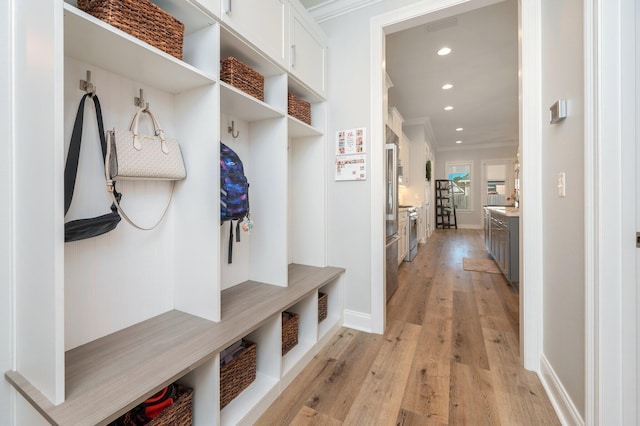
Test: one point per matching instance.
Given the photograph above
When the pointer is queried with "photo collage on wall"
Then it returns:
(351, 158)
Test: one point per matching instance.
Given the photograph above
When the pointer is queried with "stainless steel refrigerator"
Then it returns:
(391, 211)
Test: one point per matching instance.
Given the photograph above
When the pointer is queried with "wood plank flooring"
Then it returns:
(449, 355)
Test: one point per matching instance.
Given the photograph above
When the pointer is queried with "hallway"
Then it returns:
(449, 354)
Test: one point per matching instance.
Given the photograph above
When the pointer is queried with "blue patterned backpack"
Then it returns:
(234, 193)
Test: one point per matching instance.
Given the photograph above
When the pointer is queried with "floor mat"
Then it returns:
(480, 265)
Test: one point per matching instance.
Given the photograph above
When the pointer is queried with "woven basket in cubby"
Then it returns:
(299, 108)
(290, 322)
(180, 413)
(141, 19)
(243, 77)
(238, 374)
(322, 306)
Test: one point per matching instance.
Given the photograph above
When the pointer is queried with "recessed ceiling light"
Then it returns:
(444, 51)
(447, 86)
(458, 141)
(448, 108)
(459, 129)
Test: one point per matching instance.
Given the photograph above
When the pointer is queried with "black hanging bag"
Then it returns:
(81, 229)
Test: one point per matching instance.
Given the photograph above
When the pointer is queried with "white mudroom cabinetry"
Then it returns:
(102, 324)
(262, 22)
(308, 51)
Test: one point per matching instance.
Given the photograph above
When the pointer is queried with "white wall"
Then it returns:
(563, 218)
(472, 219)
(6, 182)
(349, 218)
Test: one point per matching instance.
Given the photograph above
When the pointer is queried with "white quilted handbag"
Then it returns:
(131, 155)
(149, 157)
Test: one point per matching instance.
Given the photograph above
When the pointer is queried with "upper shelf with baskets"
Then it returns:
(91, 40)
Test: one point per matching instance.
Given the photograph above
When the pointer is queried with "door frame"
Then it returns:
(611, 191)
(530, 134)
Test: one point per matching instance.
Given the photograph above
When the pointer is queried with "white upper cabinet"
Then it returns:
(212, 6)
(261, 22)
(308, 53)
(405, 160)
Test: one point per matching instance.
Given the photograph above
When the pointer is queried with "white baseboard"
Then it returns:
(461, 226)
(358, 321)
(562, 403)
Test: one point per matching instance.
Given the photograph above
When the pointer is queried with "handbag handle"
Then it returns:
(115, 196)
(157, 129)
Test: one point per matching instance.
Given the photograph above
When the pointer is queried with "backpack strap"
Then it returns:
(230, 254)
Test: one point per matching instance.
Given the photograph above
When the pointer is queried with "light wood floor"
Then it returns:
(449, 354)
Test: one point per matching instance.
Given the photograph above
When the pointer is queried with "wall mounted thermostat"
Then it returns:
(558, 111)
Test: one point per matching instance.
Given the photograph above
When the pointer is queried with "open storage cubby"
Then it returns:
(120, 271)
(333, 322)
(307, 337)
(264, 389)
(232, 45)
(307, 182)
(261, 255)
(146, 309)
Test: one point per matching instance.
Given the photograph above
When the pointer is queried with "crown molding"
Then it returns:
(331, 9)
(425, 122)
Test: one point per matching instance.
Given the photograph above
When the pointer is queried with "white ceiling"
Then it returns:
(483, 67)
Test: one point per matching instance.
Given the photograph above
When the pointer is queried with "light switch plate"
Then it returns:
(558, 111)
(561, 185)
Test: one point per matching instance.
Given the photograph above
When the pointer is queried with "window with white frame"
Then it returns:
(461, 174)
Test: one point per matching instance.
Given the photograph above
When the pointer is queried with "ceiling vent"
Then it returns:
(442, 24)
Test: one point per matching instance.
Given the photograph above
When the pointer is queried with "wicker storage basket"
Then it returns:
(238, 374)
(290, 322)
(241, 76)
(141, 19)
(179, 413)
(299, 109)
(322, 306)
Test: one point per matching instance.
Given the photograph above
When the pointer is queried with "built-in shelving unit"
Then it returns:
(165, 348)
(113, 319)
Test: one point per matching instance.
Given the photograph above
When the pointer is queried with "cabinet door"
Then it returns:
(402, 243)
(262, 22)
(307, 58)
(212, 6)
(405, 155)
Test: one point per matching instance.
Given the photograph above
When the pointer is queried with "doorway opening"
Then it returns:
(529, 118)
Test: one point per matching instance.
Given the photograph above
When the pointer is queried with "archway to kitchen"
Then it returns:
(529, 26)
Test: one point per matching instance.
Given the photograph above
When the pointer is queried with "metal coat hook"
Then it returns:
(87, 86)
(140, 101)
(232, 129)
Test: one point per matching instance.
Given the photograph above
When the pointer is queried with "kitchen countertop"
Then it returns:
(506, 211)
